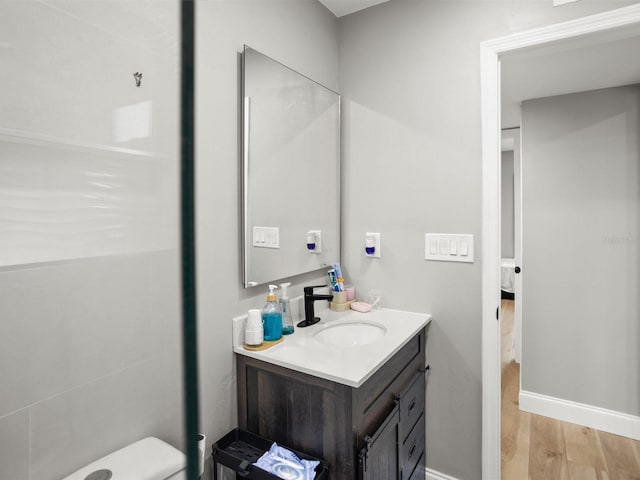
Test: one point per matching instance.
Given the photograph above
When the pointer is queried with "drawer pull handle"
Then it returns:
(412, 449)
(412, 405)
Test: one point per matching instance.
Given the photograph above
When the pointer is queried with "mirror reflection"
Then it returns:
(291, 172)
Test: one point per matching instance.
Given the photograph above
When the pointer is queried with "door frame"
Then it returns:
(490, 53)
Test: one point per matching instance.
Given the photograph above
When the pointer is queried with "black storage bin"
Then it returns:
(239, 449)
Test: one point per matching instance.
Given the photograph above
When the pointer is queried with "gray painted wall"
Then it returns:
(409, 75)
(302, 34)
(507, 199)
(580, 332)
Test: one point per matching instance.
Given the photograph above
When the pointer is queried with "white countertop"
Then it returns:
(349, 365)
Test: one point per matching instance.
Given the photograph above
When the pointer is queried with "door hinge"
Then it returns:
(498, 313)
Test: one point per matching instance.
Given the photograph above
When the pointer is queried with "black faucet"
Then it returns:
(309, 298)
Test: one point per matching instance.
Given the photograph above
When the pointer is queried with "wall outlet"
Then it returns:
(372, 245)
(314, 237)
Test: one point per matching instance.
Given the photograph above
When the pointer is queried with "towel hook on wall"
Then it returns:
(138, 77)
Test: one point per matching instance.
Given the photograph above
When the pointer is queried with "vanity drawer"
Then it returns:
(412, 405)
(384, 388)
(412, 448)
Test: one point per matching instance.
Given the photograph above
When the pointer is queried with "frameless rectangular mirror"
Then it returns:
(291, 171)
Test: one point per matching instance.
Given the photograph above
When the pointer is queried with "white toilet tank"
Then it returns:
(146, 459)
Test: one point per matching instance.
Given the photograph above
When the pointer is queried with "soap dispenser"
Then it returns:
(285, 305)
(272, 317)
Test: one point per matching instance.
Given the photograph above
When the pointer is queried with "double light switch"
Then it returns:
(266, 237)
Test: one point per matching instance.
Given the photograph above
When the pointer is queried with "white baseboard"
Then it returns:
(435, 475)
(594, 417)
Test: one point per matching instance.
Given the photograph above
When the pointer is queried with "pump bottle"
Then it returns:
(272, 317)
(285, 305)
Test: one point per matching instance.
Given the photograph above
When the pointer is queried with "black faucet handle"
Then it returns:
(309, 290)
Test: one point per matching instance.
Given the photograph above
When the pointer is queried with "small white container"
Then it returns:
(253, 330)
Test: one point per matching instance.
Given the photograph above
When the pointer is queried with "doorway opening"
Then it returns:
(592, 30)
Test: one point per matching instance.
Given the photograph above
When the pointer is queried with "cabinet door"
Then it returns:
(419, 473)
(378, 460)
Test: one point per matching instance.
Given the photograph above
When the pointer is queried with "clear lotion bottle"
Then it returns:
(285, 305)
(272, 317)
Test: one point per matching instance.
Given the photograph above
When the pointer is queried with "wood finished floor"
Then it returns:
(541, 448)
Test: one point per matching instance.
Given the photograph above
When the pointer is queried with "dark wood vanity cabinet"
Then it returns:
(374, 432)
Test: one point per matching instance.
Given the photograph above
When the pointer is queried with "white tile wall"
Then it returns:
(70, 323)
(94, 353)
(14, 445)
(99, 417)
(89, 279)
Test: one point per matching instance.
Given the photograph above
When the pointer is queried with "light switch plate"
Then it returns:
(266, 237)
(448, 247)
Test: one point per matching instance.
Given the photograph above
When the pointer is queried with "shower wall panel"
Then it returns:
(88, 157)
(89, 267)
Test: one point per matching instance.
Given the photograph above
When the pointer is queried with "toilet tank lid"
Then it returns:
(146, 459)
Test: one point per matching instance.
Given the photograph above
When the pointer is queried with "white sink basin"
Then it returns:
(354, 333)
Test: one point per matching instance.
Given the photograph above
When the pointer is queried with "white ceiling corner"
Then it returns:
(344, 7)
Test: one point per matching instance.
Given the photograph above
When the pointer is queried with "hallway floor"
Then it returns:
(541, 448)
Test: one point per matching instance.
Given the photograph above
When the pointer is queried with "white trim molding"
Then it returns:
(435, 475)
(491, 139)
(612, 21)
(586, 415)
(601, 22)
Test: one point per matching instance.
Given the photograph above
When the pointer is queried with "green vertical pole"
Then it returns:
(188, 250)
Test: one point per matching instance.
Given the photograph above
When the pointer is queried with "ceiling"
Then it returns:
(588, 63)
(345, 7)
(579, 64)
